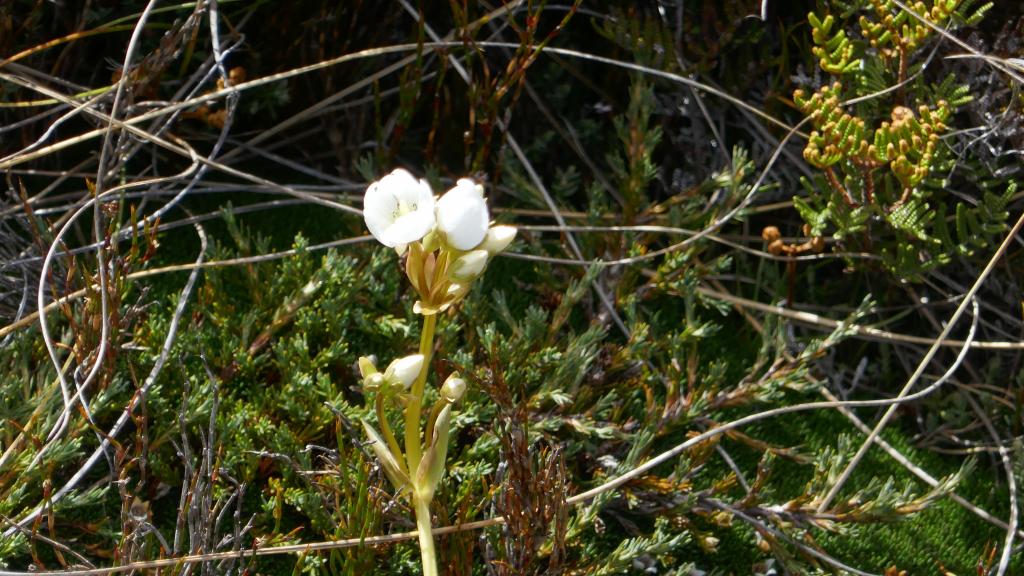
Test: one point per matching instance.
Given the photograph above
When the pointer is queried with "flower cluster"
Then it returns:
(447, 241)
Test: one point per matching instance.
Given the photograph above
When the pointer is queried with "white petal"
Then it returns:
(399, 182)
(405, 370)
(406, 188)
(462, 216)
(398, 208)
(425, 195)
(408, 228)
(378, 209)
(467, 185)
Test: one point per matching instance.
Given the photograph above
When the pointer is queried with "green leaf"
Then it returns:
(816, 219)
(432, 466)
(388, 461)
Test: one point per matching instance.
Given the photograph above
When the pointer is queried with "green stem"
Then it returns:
(413, 447)
(427, 554)
(438, 406)
(389, 436)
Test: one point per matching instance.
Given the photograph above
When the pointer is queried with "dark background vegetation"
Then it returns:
(249, 437)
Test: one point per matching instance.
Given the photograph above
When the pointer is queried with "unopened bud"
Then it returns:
(469, 266)
(366, 367)
(374, 381)
(498, 238)
(453, 388)
(404, 370)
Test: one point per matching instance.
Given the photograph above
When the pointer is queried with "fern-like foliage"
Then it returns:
(836, 52)
(837, 134)
(885, 165)
(976, 228)
(909, 143)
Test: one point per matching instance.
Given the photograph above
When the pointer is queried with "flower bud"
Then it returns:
(469, 266)
(453, 388)
(708, 543)
(498, 238)
(367, 367)
(404, 370)
(374, 381)
(432, 241)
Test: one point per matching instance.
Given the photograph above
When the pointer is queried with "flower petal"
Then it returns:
(462, 216)
(398, 208)
(404, 371)
(408, 228)
(378, 209)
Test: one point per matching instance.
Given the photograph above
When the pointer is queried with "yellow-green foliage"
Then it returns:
(877, 132)
(895, 32)
(837, 134)
(908, 142)
(835, 53)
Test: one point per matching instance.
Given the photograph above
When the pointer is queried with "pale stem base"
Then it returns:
(427, 554)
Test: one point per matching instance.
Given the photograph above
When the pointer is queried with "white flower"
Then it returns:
(404, 370)
(469, 265)
(399, 209)
(462, 215)
(498, 238)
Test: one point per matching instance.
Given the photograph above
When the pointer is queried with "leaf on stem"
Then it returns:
(387, 460)
(431, 468)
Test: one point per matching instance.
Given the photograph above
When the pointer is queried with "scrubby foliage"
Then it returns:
(887, 164)
(731, 230)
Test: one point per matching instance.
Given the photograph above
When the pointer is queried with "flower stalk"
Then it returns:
(414, 408)
(428, 555)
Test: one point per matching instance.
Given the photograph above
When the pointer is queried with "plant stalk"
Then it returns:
(413, 448)
(426, 535)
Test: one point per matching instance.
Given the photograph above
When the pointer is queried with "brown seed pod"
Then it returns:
(770, 234)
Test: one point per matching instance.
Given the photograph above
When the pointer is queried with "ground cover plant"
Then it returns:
(511, 287)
